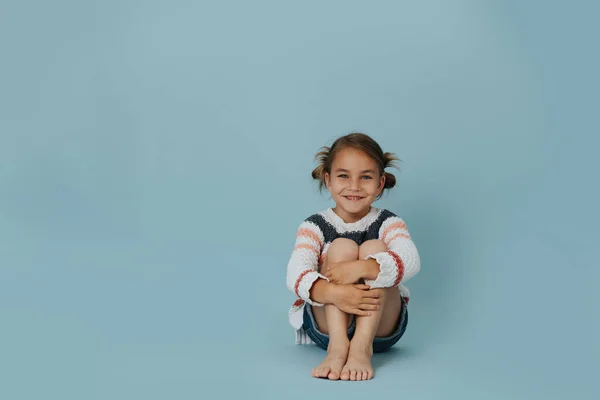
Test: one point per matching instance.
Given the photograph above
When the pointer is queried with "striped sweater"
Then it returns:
(316, 233)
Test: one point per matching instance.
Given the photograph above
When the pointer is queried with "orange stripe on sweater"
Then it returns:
(299, 279)
(298, 303)
(395, 225)
(399, 266)
(307, 246)
(308, 233)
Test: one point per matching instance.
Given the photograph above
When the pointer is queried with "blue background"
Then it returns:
(155, 163)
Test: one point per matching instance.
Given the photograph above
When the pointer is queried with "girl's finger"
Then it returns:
(362, 286)
(370, 300)
(363, 313)
(372, 307)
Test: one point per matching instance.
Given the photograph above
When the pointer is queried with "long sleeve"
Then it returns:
(302, 268)
(401, 261)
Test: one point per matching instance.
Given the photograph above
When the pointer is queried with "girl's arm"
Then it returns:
(399, 263)
(322, 292)
(302, 269)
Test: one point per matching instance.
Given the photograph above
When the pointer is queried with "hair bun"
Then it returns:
(390, 180)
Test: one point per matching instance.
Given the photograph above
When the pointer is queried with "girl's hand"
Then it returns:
(345, 272)
(355, 299)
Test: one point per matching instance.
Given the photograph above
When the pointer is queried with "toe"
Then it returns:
(352, 374)
(368, 375)
(345, 375)
(320, 372)
(334, 376)
(325, 371)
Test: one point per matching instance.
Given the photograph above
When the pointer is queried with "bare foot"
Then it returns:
(331, 366)
(358, 367)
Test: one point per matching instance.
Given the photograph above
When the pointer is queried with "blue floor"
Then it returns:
(77, 323)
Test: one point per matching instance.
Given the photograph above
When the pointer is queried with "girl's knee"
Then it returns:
(343, 242)
(343, 248)
(371, 247)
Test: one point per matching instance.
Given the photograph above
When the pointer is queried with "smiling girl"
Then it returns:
(350, 263)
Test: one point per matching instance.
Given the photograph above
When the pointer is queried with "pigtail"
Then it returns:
(390, 180)
(388, 159)
(319, 172)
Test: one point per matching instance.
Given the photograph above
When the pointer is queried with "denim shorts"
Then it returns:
(380, 344)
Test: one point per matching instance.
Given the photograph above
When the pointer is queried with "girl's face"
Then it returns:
(354, 184)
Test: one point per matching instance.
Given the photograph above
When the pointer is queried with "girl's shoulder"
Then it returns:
(385, 213)
(315, 226)
(385, 217)
(319, 218)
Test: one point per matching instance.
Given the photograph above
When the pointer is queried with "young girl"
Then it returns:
(350, 263)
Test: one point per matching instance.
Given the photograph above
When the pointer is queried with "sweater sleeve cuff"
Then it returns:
(305, 283)
(389, 270)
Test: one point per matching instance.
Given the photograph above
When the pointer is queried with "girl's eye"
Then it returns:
(345, 176)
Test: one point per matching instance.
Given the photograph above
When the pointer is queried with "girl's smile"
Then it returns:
(353, 198)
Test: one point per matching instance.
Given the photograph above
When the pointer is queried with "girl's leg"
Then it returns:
(332, 321)
(380, 323)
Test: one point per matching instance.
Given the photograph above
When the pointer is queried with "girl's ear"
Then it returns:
(327, 180)
(381, 183)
